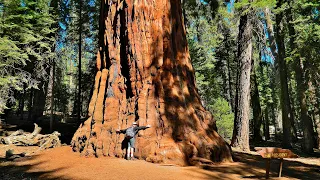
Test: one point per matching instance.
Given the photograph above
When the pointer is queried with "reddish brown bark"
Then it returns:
(150, 81)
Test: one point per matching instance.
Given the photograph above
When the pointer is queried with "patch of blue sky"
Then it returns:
(62, 26)
(92, 3)
(315, 13)
(203, 2)
(23, 4)
(265, 30)
(266, 56)
(89, 40)
(61, 41)
(230, 6)
(67, 2)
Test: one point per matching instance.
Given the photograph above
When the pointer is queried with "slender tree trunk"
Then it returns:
(226, 70)
(231, 102)
(256, 108)
(52, 95)
(226, 78)
(273, 48)
(274, 67)
(293, 113)
(317, 111)
(241, 129)
(22, 101)
(284, 98)
(79, 65)
(307, 125)
(39, 100)
(266, 121)
(145, 75)
(30, 105)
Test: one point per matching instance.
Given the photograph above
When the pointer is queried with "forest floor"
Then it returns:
(62, 163)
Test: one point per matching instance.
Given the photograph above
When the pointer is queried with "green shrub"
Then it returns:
(224, 118)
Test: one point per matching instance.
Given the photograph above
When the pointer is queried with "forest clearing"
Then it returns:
(159, 89)
(61, 163)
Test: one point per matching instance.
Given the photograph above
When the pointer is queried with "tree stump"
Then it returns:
(145, 75)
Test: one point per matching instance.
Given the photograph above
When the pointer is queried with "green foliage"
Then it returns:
(224, 117)
(205, 38)
(68, 52)
(26, 44)
(255, 4)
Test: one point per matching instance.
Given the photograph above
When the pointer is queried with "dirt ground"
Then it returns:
(62, 163)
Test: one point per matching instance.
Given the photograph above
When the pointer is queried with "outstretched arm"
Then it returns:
(121, 131)
(143, 127)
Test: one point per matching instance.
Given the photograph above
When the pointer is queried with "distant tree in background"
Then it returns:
(26, 49)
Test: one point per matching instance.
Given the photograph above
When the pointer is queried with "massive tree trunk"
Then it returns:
(145, 75)
(307, 125)
(242, 111)
(284, 98)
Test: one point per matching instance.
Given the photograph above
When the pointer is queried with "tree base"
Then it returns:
(194, 148)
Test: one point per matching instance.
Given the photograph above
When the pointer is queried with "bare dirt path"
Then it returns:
(62, 163)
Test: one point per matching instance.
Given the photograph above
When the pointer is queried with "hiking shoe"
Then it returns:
(133, 159)
(128, 158)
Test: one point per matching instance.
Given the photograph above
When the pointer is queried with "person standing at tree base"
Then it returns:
(130, 133)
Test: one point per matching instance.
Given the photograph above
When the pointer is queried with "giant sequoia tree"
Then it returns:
(144, 74)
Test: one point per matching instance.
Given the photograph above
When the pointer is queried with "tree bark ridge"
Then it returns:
(150, 81)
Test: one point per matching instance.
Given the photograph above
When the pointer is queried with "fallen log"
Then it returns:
(21, 138)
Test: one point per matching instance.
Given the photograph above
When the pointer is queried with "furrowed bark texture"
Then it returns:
(145, 75)
(241, 125)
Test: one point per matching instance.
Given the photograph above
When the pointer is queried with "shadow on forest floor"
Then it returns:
(252, 166)
(17, 170)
